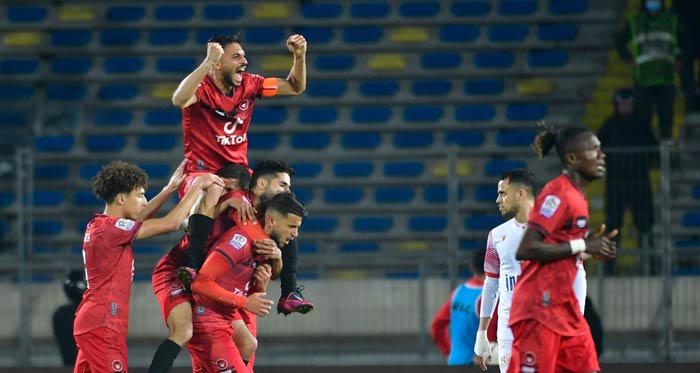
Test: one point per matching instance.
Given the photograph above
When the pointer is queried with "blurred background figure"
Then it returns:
(74, 286)
(688, 12)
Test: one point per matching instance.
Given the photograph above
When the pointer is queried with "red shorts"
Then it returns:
(212, 350)
(101, 350)
(167, 288)
(187, 183)
(250, 320)
(537, 348)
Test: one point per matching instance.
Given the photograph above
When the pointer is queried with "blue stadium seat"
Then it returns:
(45, 250)
(24, 65)
(410, 140)
(372, 224)
(202, 36)
(307, 169)
(222, 12)
(176, 64)
(120, 37)
(470, 8)
(517, 7)
(71, 65)
(316, 35)
(51, 172)
(265, 35)
(53, 144)
(475, 113)
(419, 9)
(465, 138)
(379, 88)
(271, 115)
(496, 167)
(112, 117)
(508, 33)
(557, 32)
(320, 224)
(483, 222)
(146, 249)
(343, 195)
(515, 137)
(130, 13)
(441, 60)
(320, 10)
(163, 117)
(105, 143)
(263, 141)
(402, 275)
(310, 141)
(123, 65)
(696, 191)
(390, 194)
(361, 140)
(493, 59)
(318, 115)
(45, 198)
(327, 88)
(16, 92)
(362, 34)
(65, 92)
(118, 92)
(431, 87)
(308, 247)
(404, 169)
(527, 112)
(13, 118)
(427, 223)
(370, 10)
(6, 199)
(485, 193)
(157, 143)
(353, 169)
(691, 219)
(371, 114)
(173, 13)
(86, 198)
(692, 243)
(48, 227)
(167, 36)
(547, 58)
(26, 13)
(423, 113)
(459, 33)
(565, 7)
(359, 247)
(87, 171)
(439, 194)
(156, 170)
(334, 62)
(80, 227)
(70, 38)
(484, 87)
(304, 195)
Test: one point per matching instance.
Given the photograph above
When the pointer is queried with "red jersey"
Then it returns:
(545, 291)
(109, 265)
(215, 128)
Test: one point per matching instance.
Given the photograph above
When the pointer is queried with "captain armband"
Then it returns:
(269, 87)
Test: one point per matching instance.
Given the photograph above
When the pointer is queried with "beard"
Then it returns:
(510, 213)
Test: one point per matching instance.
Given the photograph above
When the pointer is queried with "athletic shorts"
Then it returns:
(212, 350)
(538, 349)
(101, 350)
(187, 183)
(167, 288)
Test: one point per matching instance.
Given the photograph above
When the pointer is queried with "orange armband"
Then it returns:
(269, 87)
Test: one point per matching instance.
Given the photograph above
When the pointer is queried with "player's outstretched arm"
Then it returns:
(172, 221)
(295, 83)
(173, 185)
(184, 95)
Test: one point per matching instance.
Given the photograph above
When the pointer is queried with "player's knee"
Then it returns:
(181, 334)
(248, 347)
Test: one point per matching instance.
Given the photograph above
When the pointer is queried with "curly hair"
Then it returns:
(118, 177)
(552, 137)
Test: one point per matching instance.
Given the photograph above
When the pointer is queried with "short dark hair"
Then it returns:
(521, 176)
(236, 171)
(118, 177)
(478, 257)
(269, 167)
(226, 39)
(286, 203)
(552, 137)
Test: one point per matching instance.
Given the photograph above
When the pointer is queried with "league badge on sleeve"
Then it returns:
(238, 241)
(549, 206)
(125, 224)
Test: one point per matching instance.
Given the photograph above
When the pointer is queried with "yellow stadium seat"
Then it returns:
(272, 11)
(413, 246)
(387, 61)
(464, 169)
(76, 13)
(409, 35)
(21, 38)
(536, 86)
(163, 91)
(277, 63)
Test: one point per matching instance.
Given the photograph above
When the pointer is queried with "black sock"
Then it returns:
(288, 276)
(199, 229)
(164, 357)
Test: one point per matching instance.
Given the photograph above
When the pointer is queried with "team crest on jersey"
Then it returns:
(86, 238)
(117, 365)
(529, 359)
(238, 241)
(244, 105)
(125, 224)
(581, 222)
(549, 206)
(221, 364)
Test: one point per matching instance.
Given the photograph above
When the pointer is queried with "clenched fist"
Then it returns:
(296, 44)
(214, 52)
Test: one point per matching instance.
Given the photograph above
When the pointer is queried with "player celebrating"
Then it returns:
(549, 329)
(102, 318)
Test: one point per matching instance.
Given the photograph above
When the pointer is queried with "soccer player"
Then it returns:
(217, 101)
(223, 286)
(102, 318)
(550, 331)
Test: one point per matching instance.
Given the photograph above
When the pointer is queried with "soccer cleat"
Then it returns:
(186, 276)
(294, 302)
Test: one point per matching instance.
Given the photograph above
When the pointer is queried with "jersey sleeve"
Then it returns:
(120, 232)
(257, 84)
(492, 263)
(204, 96)
(440, 327)
(549, 212)
(232, 247)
